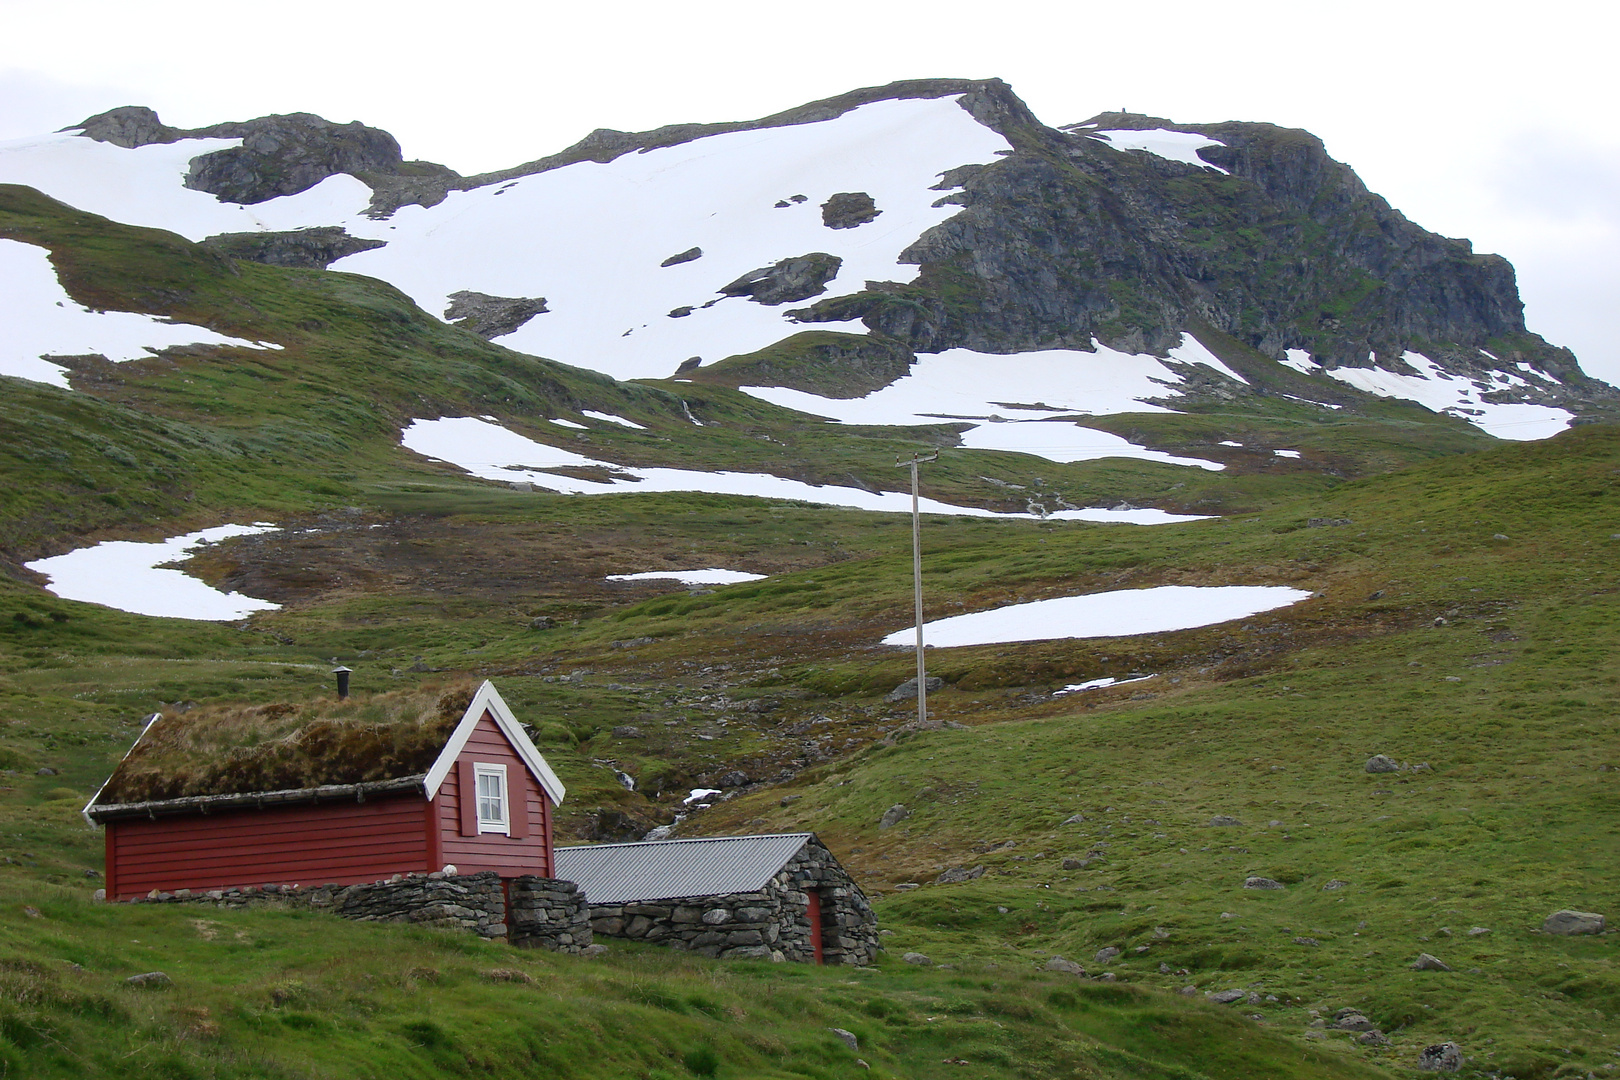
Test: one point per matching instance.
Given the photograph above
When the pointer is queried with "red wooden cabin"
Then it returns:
(484, 803)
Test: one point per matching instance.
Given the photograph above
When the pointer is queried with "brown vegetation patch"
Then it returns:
(237, 749)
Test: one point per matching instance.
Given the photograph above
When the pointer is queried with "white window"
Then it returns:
(492, 816)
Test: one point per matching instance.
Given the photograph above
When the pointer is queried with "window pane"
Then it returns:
(489, 799)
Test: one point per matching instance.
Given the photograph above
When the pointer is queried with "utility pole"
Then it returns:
(916, 580)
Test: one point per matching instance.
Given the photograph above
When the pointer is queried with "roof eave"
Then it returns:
(205, 804)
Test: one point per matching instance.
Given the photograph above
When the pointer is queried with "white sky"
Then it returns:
(1481, 119)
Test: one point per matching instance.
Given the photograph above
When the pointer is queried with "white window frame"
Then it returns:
(486, 824)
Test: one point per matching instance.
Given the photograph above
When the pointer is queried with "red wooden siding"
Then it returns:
(510, 856)
(338, 843)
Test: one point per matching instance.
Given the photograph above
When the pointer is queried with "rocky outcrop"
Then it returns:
(492, 316)
(822, 362)
(311, 249)
(849, 210)
(279, 155)
(794, 279)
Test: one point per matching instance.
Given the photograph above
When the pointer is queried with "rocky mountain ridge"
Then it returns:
(1265, 245)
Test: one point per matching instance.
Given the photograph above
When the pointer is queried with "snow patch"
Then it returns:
(1300, 360)
(1441, 392)
(691, 577)
(700, 793)
(1041, 386)
(125, 575)
(1229, 442)
(610, 419)
(492, 452)
(1286, 453)
(1098, 684)
(1111, 614)
(145, 186)
(568, 424)
(1182, 146)
(41, 319)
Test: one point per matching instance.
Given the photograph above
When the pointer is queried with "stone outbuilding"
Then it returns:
(781, 897)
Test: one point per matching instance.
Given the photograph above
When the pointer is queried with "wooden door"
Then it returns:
(813, 909)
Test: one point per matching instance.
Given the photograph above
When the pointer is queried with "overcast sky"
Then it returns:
(1485, 120)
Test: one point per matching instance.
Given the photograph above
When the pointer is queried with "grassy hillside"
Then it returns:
(1464, 620)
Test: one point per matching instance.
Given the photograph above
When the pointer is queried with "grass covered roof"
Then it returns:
(242, 749)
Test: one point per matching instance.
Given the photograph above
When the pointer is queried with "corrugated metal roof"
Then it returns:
(669, 869)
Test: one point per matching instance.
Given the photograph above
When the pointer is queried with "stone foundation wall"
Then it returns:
(772, 923)
(531, 912)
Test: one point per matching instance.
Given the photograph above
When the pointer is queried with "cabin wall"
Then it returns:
(506, 855)
(341, 843)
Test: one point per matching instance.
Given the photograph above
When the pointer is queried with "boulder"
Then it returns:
(1222, 821)
(1351, 1020)
(917, 958)
(1425, 962)
(150, 980)
(846, 1037)
(958, 874)
(848, 210)
(893, 816)
(1378, 763)
(1225, 997)
(1073, 819)
(1068, 967)
(1106, 954)
(798, 278)
(1442, 1057)
(1573, 922)
(684, 257)
(907, 691)
(1074, 864)
(1373, 1038)
(1257, 882)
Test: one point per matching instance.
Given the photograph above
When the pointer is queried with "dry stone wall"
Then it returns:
(772, 923)
(531, 912)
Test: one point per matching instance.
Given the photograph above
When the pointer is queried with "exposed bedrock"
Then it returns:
(492, 316)
(798, 278)
(314, 248)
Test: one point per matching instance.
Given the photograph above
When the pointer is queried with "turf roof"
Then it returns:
(240, 749)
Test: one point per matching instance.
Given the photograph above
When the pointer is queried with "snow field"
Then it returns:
(1182, 146)
(589, 237)
(145, 186)
(41, 319)
(1109, 614)
(1037, 388)
(492, 452)
(1440, 392)
(125, 575)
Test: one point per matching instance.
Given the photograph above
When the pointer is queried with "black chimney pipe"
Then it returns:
(342, 674)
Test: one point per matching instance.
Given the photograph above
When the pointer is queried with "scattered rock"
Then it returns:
(1500, 536)
(958, 874)
(917, 958)
(1073, 819)
(1075, 864)
(893, 816)
(1378, 763)
(151, 980)
(1225, 997)
(848, 210)
(1425, 962)
(684, 257)
(1262, 883)
(31, 911)
(1373, 1038)
(1335, 884)
(542, 623)
(1573, 922)
(907, 886)
(511, 975)
(1479, 931)
(680, 312)
(1307, 941)
(1106, 954)
(1068, 967)
(789, 800)
(907, 691)
(1189, 991)
(846, 1037)
(47, 771)
(1222, 821)
(1351, 1020)
(309, 249)
(733, 779)
(593, 950)
(1442, 1057)
(627, 731)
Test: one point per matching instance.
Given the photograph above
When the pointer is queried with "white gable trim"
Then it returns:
(489, 699)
